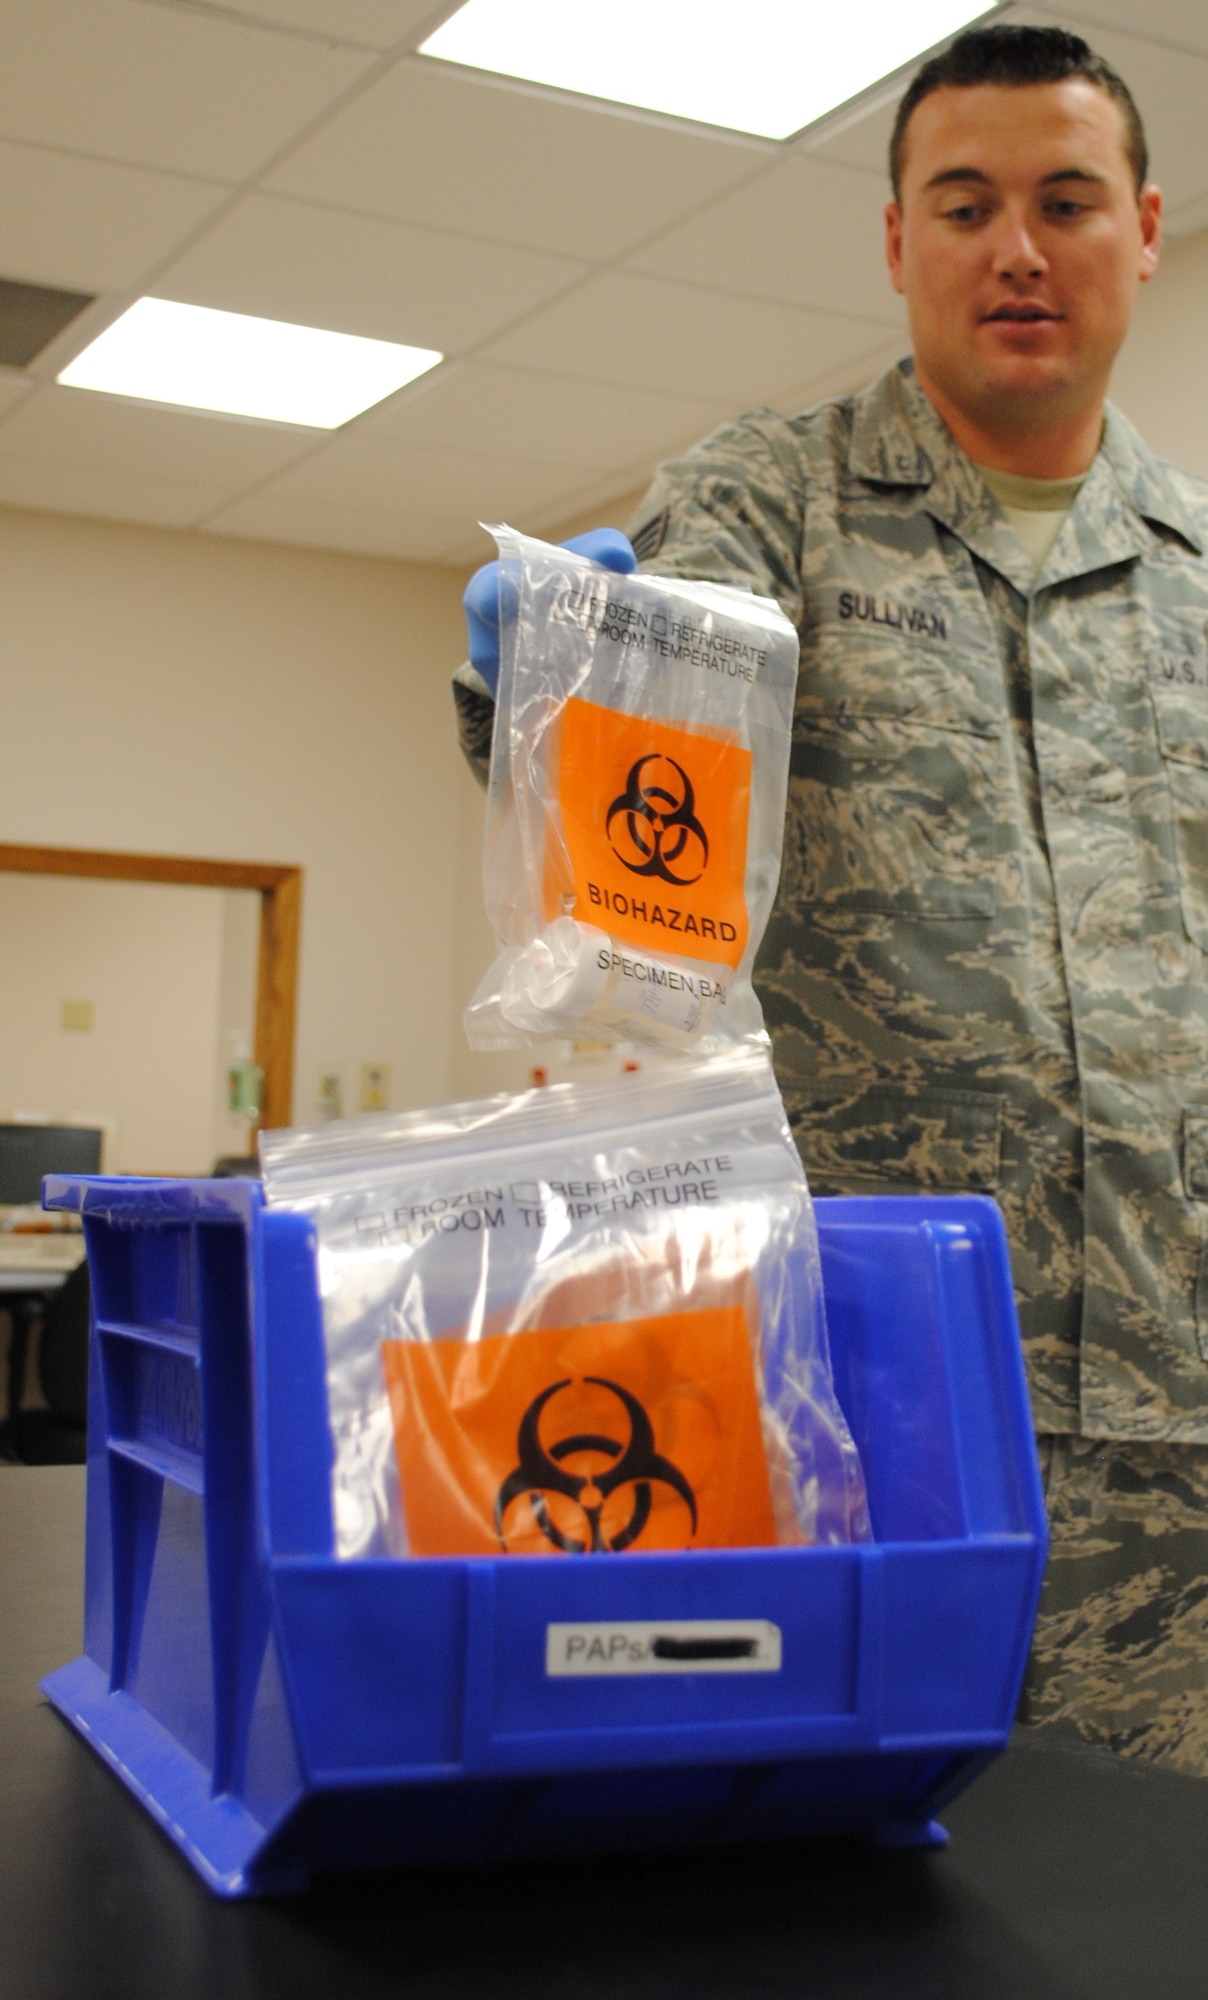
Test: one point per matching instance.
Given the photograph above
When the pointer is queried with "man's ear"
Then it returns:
(1150, 204)
(893, 245)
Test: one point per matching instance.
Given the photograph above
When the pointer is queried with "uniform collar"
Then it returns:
(899, 439)
(1144, 480)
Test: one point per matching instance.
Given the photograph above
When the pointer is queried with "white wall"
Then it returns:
(1161, 378)
(189, 695)
(166, 974)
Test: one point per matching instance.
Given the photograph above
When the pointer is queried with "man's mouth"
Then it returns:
(1021, 313)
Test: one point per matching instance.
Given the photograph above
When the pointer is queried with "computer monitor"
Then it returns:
(29, 1151)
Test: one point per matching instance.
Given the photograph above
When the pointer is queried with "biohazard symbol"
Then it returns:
(658, 819)
(541, 1472)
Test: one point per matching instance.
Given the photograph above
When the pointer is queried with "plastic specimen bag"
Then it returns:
(583, 1320)
(636, 806)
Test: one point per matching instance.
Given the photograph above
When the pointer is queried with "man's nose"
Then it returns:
(1017, 254)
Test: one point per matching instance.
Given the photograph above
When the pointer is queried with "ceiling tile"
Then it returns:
(13, 386)
(163, 86)
(863, 142)
(90, 224)
(602, 503)
(464, 487)
(1171, 90)
(610, 503)
(468, 553)
(317, 524)
(375, 24)
(841, 379)
(1182, 23)
(807, 234)
(628, 329)
(548, 419)
(323, 267)
(464, 153)
(111, 495)
(76, 427)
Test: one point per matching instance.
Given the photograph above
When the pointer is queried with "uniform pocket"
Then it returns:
(1183, 740)
(891, 812)
(858, 1137)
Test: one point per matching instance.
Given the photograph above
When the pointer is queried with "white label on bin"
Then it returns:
(668, 1646)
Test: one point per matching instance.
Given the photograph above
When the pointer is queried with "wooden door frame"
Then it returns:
(280, 892)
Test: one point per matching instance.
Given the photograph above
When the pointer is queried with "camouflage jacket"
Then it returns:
(987, 964)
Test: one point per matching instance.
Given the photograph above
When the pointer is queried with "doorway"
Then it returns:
(280, 892)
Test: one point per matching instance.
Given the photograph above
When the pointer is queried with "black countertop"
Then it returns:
(1071, 1875)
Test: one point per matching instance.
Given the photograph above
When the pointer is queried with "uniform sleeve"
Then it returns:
(732, 510)
(475, 708)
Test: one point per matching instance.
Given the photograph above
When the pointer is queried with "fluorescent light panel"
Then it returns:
(199, 359)
(766, 67)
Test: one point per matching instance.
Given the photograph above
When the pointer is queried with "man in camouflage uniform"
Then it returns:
(986, 966)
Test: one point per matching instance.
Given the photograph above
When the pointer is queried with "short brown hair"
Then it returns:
(1017, 56)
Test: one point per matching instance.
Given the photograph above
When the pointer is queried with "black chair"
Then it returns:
(58, 1435)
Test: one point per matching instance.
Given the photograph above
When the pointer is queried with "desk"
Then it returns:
(1071, 1876)
(39, 1263)
(28, 1283)
(24, 1290)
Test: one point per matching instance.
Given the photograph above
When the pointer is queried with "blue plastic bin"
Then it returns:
(280, 1712)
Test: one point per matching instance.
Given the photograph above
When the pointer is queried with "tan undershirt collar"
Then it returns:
(1036, 508)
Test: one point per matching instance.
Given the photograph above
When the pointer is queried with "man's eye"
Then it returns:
(965, 211)
(1067, 208)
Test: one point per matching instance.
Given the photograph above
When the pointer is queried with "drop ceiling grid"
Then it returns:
(380, 25)
(606, 286)
(645, 153)
(454, 150)
(41, 452)
(176, 88)
(1172, 24)
(236, 237)
(1171, 88)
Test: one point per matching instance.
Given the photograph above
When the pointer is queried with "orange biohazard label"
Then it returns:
(654, 821)
(582, 1439)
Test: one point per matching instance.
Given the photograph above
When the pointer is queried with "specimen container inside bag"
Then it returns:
(581, 1321)
(639, 770)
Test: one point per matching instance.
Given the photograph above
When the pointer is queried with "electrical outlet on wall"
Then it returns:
(375, 1086)
(329, 1096)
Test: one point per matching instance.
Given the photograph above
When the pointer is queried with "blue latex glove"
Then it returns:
(481, 601)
